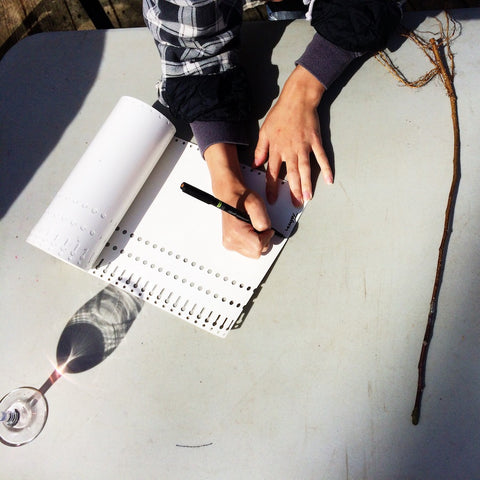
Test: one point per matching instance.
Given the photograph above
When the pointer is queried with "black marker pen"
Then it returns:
(211, 200)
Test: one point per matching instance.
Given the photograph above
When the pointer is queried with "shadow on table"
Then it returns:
(94, 331)
(48, 90)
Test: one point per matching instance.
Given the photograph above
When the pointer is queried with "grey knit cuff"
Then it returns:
(325, 60)
(218, 131)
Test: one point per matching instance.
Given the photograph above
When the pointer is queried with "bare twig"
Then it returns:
(447, 79)
(432, 50)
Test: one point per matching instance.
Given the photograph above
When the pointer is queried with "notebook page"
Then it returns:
(168, 247)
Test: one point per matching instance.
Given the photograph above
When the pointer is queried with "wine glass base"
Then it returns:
(27, 411)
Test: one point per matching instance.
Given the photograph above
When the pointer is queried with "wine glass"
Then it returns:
(23, 413)
(90, 336)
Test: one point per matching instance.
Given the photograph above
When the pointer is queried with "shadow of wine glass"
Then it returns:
(94, 332)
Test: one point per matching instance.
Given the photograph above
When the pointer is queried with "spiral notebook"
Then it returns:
(122, 217)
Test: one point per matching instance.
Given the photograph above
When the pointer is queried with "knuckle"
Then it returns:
(228, 241)
(261, 225)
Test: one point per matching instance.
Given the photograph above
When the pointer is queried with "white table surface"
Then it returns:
(319, 381)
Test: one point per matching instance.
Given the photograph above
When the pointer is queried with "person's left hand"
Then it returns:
(291, 131)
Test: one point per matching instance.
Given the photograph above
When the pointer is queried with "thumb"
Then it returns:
(257, 212)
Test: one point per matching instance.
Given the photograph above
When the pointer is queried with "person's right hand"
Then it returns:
(227, 185)
(249, 240)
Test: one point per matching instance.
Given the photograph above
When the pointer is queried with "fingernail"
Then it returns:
(307, 196)
(329, 179)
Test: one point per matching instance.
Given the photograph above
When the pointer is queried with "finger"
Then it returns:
(261, 150)
(272, 173)
(294, 181)
(240, 237)
(266, 239)
(257, 211)
(250, 240)
(322, 161)
(260, 221)
(305, 176)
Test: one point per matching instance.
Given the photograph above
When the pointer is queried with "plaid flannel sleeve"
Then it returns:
(202, 82)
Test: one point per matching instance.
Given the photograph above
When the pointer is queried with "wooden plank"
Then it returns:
(124, 13)
(13, 14)
(96, 13)
(26, 17)
(74, 10)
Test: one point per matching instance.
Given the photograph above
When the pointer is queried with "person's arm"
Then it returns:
(345, 30)
(203, 84)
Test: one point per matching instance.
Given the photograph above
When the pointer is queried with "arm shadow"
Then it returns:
(45, 79)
